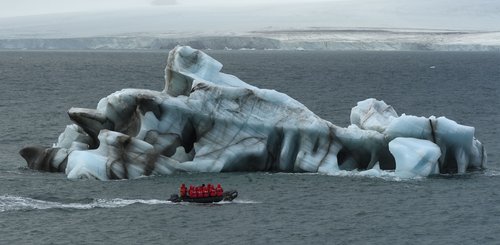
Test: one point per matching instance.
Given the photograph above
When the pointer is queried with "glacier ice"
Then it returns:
(208, 121)
(414, 157)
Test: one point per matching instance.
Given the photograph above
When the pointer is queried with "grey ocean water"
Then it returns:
(37, 88)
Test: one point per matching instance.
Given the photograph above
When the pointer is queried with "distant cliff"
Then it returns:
(115, 43)
(284, 40)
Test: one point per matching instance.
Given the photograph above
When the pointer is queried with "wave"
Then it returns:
(17, 203)
(376, 172)
(492, 172)
(392, 176)
(243, 202)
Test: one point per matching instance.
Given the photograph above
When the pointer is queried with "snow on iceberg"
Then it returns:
(208, 121)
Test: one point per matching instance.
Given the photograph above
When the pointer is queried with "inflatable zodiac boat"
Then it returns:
(226, 196)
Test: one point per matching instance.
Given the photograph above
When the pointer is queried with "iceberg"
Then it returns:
(208, 121)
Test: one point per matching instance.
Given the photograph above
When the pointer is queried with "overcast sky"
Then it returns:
(64, 18)
(12, 8)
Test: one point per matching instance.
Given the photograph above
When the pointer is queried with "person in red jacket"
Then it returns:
(183, 190)
(191, 191)
(205, 190)
(199, 191)
(212, 191)
(219, 190)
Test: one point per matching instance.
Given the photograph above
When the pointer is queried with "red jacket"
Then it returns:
(205, 191)
(199, 192)
(183, 190)
(212, 191)
(192, 193)
(219, 190)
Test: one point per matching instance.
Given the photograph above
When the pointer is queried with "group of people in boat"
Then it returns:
(201, 191)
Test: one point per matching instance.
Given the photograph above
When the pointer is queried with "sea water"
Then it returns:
(38, 87)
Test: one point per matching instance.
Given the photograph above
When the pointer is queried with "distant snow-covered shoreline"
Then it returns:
(304, 39)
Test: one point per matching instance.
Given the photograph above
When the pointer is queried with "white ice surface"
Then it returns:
(415, 157)
(372, 114)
